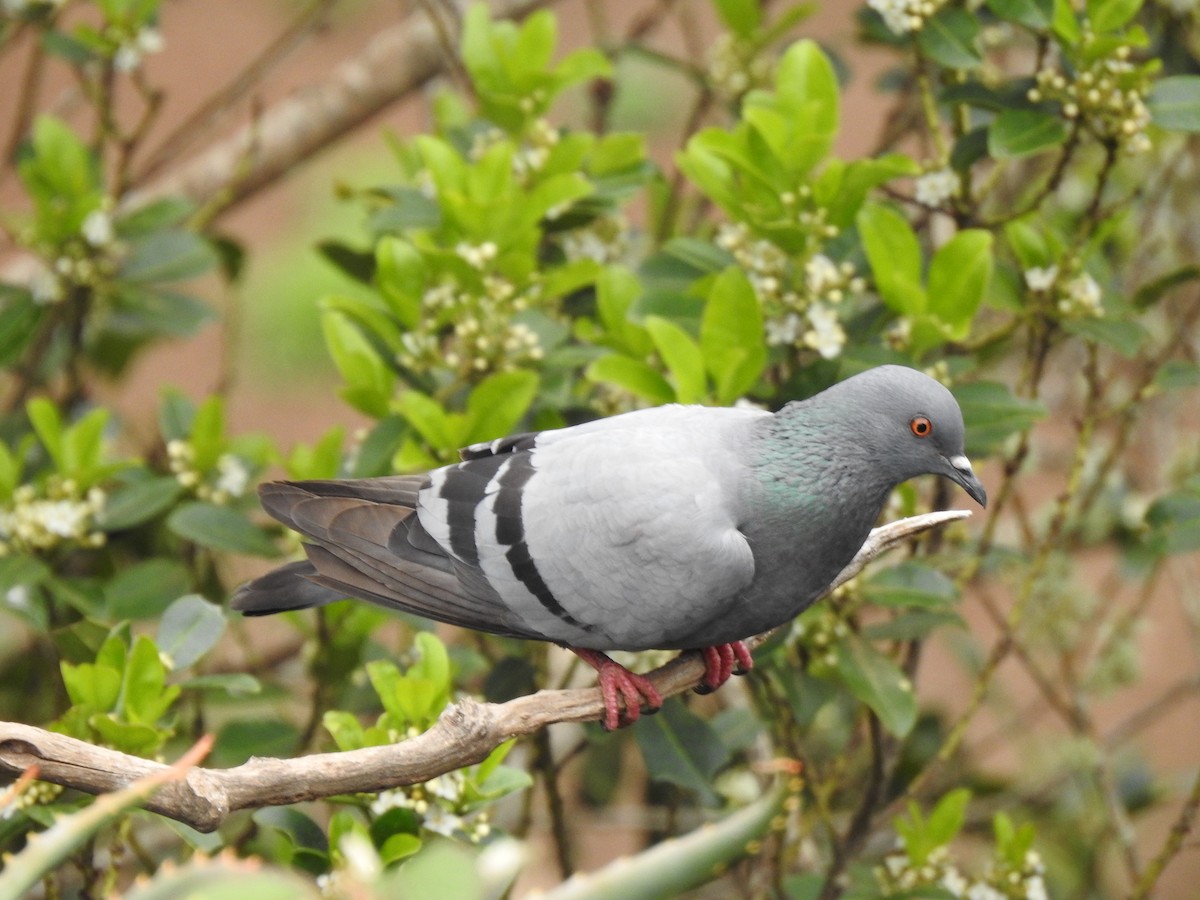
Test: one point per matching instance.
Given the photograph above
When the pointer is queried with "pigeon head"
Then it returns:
(909, 423)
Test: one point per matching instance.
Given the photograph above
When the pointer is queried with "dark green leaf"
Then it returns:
(141, 313)
(912, 626)
(167, 256)
(992, 413)
(190, 627)
(951, 39)
(1023, 132)
(878, 682)
(240, 739)
(1174, 103)
(220, 528)
(357, 264)
(681, 748)
(969, 149)
(1123, 335)
(1151, 292)
(19, 316)
(1174, 521)
(136, 502)
(1177, 374)
(235, 684)
(1034, 14)
(910, 584)
(145, 589)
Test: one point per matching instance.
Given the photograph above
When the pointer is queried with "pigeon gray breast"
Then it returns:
(679, 527)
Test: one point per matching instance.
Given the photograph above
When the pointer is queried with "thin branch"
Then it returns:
(465, 734)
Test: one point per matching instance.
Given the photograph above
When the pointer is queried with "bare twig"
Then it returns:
(465, 734)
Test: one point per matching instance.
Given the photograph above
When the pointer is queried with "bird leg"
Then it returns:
(718, 664)
(616, 679)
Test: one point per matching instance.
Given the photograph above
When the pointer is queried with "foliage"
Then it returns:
(1017, 234)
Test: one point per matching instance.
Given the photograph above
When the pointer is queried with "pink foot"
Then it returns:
(718, 664)
(615, 679)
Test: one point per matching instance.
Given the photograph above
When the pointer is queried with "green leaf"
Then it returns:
(1153, 291)
(1024, 132)
(911, 626)
(911, 584)
(93, 686)
(167, 256)
(145, 589)
(19, 316)
(682, 357)
(740, 16)
(190, 627)
(959, 274)
(207, 435)
(633, 375)
(83, 445)
(1110, 15)
(145, 695)
(235, 684)
(947, 818)
(1066, 23)
(47, 423)
(951, 39)
(681, 748)
(430, 419)
(617, 290)
(731, 336)
(895, 257)
(402, 276)
(220, 528)
(1034, 14)
(1174, 522)
(368, 381)
(1174, 103)
(878, 682)
(496, 404)
(1125, 336)
(137, 502)
(1177, 374)
(135, 738)
(991, 413)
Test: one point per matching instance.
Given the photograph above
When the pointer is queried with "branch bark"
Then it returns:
(394, 63)
(465, 734)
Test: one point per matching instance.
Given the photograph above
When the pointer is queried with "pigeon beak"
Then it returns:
(961, 473)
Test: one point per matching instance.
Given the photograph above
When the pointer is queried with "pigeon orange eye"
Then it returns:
(921, 426)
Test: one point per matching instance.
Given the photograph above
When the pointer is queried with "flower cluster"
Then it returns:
(898, 875)
(737, 65)
(133, 48)
(936, 187)
(819, 632)
(35, 793)
(904, 16)
(228, 479)
(61, 514)
(87, 260)
(531, 154)
(1106, 94)
(479, 334)
(1076, 297)
(605, 240)
(799, 302)
(441, 803)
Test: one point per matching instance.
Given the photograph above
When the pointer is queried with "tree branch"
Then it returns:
(465, 734)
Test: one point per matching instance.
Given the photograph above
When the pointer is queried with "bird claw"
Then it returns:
(719, 664)
(616, 681)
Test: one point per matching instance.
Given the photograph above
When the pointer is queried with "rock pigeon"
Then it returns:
(678, 527)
